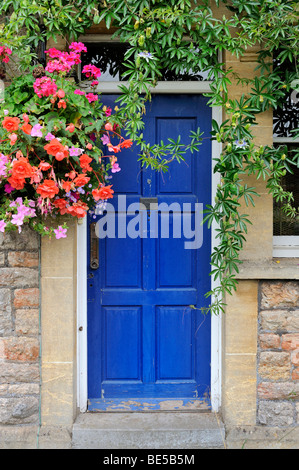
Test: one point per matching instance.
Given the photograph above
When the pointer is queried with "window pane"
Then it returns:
(282, 225)
(286, 116)
(109, 57)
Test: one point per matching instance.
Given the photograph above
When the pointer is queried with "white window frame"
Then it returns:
(285, 246)
(216, 320)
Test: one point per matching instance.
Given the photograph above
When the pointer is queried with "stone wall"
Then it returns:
(19, 339)
(278, 354)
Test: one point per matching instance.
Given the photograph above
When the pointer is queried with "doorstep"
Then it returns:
(148, 430)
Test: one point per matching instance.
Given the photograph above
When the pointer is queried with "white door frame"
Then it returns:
(216, 320)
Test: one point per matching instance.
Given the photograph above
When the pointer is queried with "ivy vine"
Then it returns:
(186, 36)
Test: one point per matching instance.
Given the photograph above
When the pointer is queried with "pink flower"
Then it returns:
(60, 65)
(3, 162)
(75, 151)
(60, 93)
(49, 136)
(91, 71)
(8, 188)
(91, 97)
(79, 92)
(13, 138)
(53, 53)
(18, 219)
(78, 47)
(2, 225)
(36, 131)
(108, 126)
(108, 111)
(115, 168)
(105, 139)
(4, 53)
(60, 232)
(44, 86)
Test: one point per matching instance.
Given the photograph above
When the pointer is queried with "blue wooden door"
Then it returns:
(148, 340)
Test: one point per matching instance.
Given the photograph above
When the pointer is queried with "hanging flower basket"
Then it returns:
(52, 136)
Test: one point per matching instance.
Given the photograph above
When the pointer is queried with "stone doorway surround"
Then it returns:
(62, 393)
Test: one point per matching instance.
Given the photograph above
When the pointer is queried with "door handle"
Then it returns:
(94, 247)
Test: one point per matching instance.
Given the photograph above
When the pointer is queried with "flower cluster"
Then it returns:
(5, 52)
(52, 163)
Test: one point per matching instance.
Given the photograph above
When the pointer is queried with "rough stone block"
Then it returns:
(19, 349)
(276, 414)
(24, 259)
(24, 298)
(13, 372)
(19, 410)
(277, 295)
(27, 321)
(18, 277)
(5, 312)
(274, 365)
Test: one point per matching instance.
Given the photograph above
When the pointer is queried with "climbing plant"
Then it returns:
(185, 37)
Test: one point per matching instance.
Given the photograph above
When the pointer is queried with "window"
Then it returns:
(109, 57)
(285, 122)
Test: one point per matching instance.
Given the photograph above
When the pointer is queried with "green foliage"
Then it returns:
(184, 36)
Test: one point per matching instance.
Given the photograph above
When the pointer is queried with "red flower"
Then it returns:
(21, 168)
(81, 180)
(11, 123)
(105, 192)
(114, 148)
(85, 161)
(26, 128)
(16, 183)
(78, 209)
(70, 128)
(126, 143)
(44, 166)
(67, 185)
(54, 147)
(61, 205)
(47, 189)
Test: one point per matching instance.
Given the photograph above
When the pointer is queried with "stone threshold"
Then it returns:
(148, 430)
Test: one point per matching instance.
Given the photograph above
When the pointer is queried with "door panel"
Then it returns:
(148, 341)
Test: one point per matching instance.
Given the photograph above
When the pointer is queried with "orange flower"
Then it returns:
(11, 124)
(61, 104)
(81, 180)
(44, 166)
(26, 128)
(61, 205)
(21, 168)
(47, 189)
(67, 185)
(126, 143)
(85, 161)
(15, 182)
(105, 192)
(54, 147)
(78, 209)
